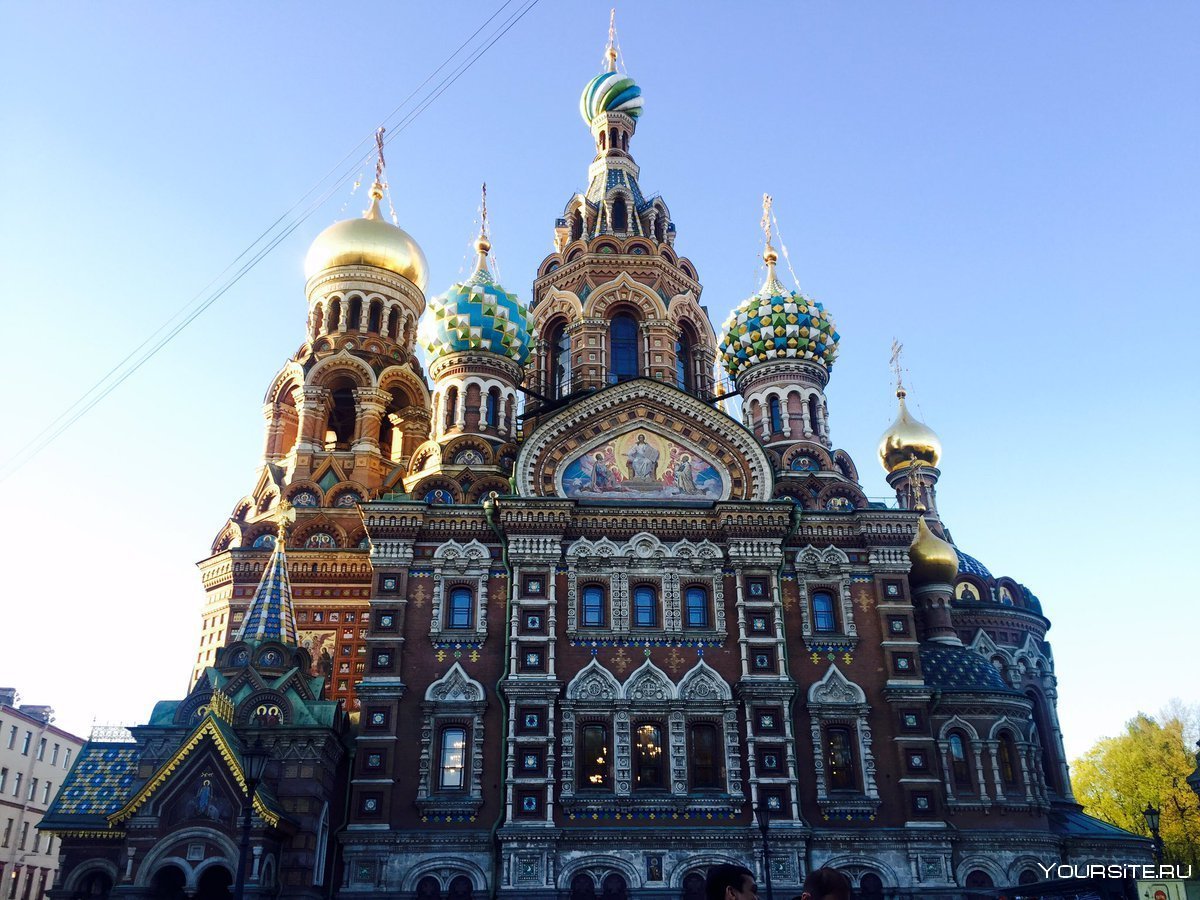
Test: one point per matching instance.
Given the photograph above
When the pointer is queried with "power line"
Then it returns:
(117, 375)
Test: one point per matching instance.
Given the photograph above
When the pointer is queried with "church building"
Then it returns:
(580, 601)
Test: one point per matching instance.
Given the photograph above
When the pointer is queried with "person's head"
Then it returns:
(729, 882)
(825, 884)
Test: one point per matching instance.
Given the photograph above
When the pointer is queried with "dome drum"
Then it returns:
(463, 362)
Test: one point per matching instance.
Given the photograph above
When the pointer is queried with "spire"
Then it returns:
(372, 211)
(271, 616)
(610, 52)
(483, 243)
(772, 286)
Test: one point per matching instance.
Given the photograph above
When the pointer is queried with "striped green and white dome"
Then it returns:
(610, 92)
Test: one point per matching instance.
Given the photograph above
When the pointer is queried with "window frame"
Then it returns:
(624, 352)
(716, 779)
(775, 414)
(831, 626)
(841, 778)
(705, 607)
(463, 768)
(592, 590)
(586, 767)
(639, 592)
(452, 595)
(640, 764)
(960, 778)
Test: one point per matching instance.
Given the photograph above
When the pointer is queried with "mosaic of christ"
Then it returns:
(642, 465)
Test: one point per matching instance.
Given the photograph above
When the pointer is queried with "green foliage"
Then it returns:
(1148, 764)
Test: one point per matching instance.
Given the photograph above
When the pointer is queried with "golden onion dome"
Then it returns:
(933, 560)
(908, 442)
(368, 241)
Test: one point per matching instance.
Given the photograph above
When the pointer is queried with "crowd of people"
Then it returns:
(730, 882)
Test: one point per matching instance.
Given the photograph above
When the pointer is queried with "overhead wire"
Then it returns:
(106, 384)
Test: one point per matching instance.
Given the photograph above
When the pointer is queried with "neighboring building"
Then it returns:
(590, 620)
(34, 760)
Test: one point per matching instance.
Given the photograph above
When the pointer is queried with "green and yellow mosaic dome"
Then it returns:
(776, 323)
(477, 314)
(610, 92)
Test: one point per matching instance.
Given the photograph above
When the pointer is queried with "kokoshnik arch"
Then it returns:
(545, 620)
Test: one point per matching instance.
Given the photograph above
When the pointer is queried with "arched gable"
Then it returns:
(623, 290)
(649, 683)
(456, 686)
(702, 684)
(594, 682)
(835, 689)
(718, 450)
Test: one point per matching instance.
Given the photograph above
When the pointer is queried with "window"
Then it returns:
(696, 605)
(960, 769)
(823, 617)
(3, 779)
(560, 362)
(7, 833)
(624, 355)
(451, 410)
(776, 415)
(645, 607)
(452, 759)
(67, 761)
(12, 737)
(26, 742)
(649, 758)
(705, 757)
(33, 783)
(492, 409)
(683, 363)
(594, 772)
(459, 612)
(41, 754)
(839, 758)
(1007, 758)
(593, 606)
(24, 836)
(17, 785)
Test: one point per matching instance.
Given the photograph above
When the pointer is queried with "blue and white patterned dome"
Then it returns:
(776, 323)
(476, 314)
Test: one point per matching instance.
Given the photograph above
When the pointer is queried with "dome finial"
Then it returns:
(897, 349)
(610, 52)
(482, 244)
(772, 285)
(372, 211)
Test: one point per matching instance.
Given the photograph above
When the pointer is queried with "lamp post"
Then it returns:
(763, 815)
(1152, 819)
(254, 763)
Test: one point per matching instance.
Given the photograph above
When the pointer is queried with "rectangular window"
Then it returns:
(839, 758)
(67, 761)
(593, 606)
(7, 833)
(594, 764)
(696, 604)
(3, 779)
(28, 739)
(41, 749)
(46, 792)
(645, 607)
(707, 771)
(823, 615)
(33, 783)
(24, 836)
(458, 611)
(17, 785)
(649, 754)
(453, 759)
(12, 737)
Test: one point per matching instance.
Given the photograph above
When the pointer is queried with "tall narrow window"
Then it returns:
(813, 415)
(645, 607)
(452, 759)
(492, 408)
(823, 617)
(696, 603)
(839, 758)
(705, 757)
(594, 763)
(683, 363)
(560, 362)
(625, 358)
(620, 216)
(1008, 768)
(355, 313)
(776, 416)
(960, 769)
(458, 615)
(649, 758)
(593, 607)
(451, 408)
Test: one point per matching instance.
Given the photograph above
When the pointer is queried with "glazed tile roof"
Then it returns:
(271, 616)
(969, 565)
(101, 781)
(957, 669)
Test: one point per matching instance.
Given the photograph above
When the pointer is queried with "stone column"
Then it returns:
(370, 404)
(314, 408)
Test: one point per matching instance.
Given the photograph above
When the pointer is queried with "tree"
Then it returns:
(1148, 764)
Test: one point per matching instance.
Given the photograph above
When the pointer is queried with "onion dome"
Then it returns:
(776, 323)
(908, 442)
(933, 560)
(476, 314)
(610, 91)
(368, 241)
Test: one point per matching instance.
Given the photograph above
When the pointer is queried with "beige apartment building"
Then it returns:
(34, 760)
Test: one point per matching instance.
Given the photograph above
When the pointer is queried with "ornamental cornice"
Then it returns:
(367, 279)
(469, 362)
(791, 370)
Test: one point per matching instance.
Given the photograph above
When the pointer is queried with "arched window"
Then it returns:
(461, 888)
(576, 225)
(960, 766)
(696, 606)
(693, 887)
(645, 607)
(459, 610)
(1027, 876)
(429, 889)
(620, 216)
(649, 756)
(375, 318)
(705, 757)
(603, 140)
(839, 759)
(683, 362)
(492, 408)
(339, 430)
(1007, 758)
(1040, 724)
(824, 619)
(595, 769)
(594, 612)
(813, 415)
(625, 359)
(452, 759)
(870, 887)
(335, 316)
(355, 318)
(560, 362)
(978, 880)
(776, 415)
(614, 888)
(451, 410)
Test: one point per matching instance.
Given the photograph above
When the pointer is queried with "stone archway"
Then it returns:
(214, 884)
(168, 883)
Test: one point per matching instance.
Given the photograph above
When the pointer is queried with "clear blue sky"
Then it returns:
(1011, 189)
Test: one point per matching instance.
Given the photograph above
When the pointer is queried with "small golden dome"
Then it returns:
(908, 441)
(933, 560)
(368, 241)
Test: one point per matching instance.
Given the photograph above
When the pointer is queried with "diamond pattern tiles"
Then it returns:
(271, 616)
(957, 669)
(477, 314)
(99, 784)
(777, 323)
